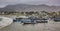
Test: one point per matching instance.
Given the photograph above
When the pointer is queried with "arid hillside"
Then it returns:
(25, 7)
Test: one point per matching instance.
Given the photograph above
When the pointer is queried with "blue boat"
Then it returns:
(28, 21)
(57, 19)
(17, 19)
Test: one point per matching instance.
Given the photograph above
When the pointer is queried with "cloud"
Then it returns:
(3, 5)
(35, 2)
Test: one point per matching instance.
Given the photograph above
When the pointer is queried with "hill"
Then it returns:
(25, 7)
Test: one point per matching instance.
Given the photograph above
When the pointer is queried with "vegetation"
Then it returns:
(39, 14)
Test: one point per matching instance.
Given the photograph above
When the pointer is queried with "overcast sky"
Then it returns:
(4, 3)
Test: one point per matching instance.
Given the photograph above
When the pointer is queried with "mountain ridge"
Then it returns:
(25, 7)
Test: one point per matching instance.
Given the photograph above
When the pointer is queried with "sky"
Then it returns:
(4, 3)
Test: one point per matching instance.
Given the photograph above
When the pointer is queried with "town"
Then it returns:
(20, 19)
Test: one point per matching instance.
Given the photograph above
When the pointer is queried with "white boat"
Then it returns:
(5, 21)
